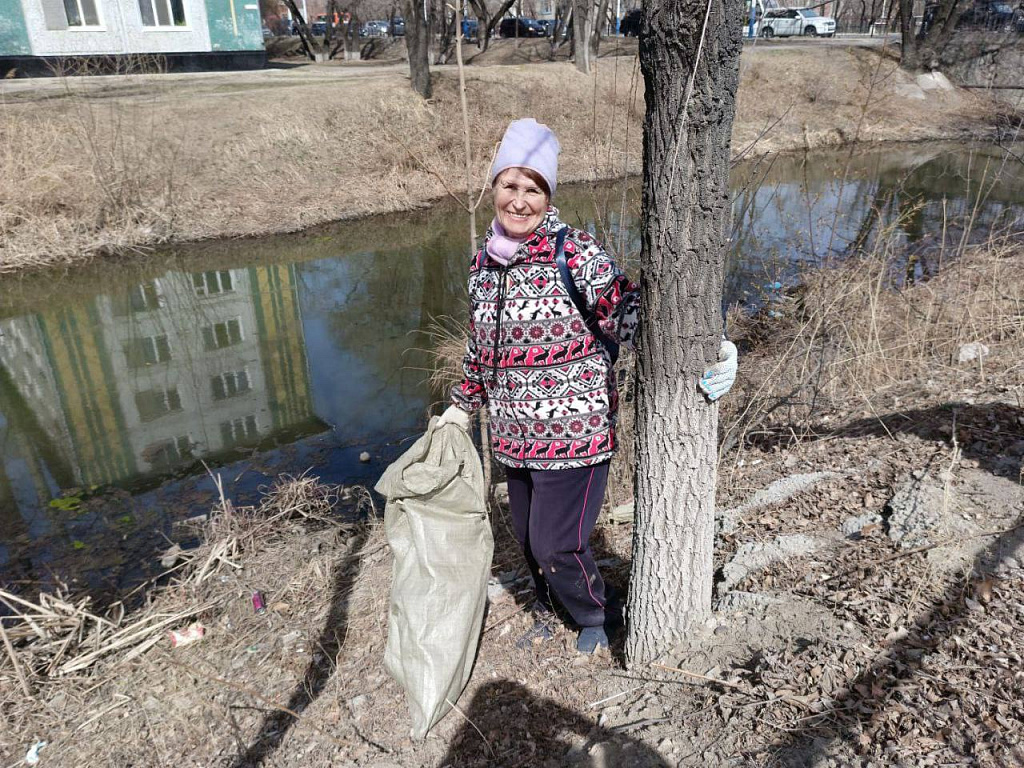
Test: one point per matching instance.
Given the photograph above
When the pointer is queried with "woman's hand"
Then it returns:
(719, 378)
(454, 415)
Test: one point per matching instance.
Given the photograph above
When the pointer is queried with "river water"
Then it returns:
(297, 353)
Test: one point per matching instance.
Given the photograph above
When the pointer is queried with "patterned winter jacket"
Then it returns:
(547, 381)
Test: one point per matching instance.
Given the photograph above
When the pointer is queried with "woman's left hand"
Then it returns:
(719, 378)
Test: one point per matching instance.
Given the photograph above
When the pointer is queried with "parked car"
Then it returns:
(398, 27)
(988, 14)
(318, 28)
(520, 27)
(470, 30)
(630, 24)
(374, 29)
(787, 22)
(549, 26)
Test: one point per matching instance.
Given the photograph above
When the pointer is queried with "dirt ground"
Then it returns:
(117, 164)
(868, 605)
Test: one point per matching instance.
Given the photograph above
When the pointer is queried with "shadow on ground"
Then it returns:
(275, 726)
(991, 435)
(505, 724)
(863, 701)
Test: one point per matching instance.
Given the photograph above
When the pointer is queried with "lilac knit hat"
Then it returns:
(528, 144)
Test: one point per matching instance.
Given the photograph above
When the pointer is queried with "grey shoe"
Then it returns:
(590, 639)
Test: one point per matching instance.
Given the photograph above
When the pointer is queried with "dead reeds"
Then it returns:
(56, 635)
(856, 335)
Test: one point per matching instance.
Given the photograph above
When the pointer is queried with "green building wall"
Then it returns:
(13, 31)
(233, 26)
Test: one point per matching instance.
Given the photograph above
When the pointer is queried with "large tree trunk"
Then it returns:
(908, 40)
(583, 33)
(597, 28)
(684, 231)
(417, 41)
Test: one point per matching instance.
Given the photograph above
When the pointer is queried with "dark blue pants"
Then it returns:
(553, 514)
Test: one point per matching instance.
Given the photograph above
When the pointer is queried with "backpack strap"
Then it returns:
(577, 298)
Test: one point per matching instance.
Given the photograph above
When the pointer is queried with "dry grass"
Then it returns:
(446, 345)
(306, 677)
(89, 166)
(66, 670)
(56, 638)
(856, 339)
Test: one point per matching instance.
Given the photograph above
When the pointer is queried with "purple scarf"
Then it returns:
(501, 247)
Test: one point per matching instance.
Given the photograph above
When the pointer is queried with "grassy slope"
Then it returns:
(96, 165)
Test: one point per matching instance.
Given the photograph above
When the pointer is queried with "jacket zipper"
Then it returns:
(497, 329)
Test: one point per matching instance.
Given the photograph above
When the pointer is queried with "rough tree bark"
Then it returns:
(563, 11)
(583, 34)
(417, 41)
(689, 55)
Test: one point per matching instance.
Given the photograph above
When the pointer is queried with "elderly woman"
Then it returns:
(542, 344)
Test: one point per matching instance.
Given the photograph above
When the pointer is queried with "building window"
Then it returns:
(239, 431)
(168, 453)
(212, 283)
(221, 335)
(81, 13)
(162, 13)
(154, 403)
(230, 384)
(144, 297)
(147, 351)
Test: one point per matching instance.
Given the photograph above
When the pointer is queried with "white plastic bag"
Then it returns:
(436, 523)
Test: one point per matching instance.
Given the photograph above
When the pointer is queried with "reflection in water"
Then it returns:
(130, 385)
(308, 345)
(127, 387)
(802, 209)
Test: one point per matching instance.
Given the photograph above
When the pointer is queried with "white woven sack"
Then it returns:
(437, 526)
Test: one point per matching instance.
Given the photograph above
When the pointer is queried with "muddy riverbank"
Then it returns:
(118, 165)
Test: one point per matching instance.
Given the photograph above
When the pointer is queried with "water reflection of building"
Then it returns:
(130, 385)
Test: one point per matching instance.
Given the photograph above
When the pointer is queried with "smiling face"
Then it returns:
(520, 201)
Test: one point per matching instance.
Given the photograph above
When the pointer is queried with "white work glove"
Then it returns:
(719, 378)
(454, 415)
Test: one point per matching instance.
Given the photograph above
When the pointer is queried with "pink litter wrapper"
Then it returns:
(258, 604)
(193, 633)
